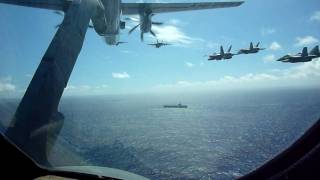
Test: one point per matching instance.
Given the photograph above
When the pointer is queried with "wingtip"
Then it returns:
(239, 3)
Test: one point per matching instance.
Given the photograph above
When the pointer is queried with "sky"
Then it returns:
(282, 27)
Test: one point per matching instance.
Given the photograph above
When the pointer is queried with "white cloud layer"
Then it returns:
(6, 84)
(315, 16)
(123, 75)
(305, 41)
(86, 89)
(303, 75)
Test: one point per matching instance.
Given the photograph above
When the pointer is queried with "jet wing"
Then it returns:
(136, 8)
(59, 5)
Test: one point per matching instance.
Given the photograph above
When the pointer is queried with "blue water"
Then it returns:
(219, 136)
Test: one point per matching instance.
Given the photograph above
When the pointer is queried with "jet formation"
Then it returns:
(304, 56)
(228, 55)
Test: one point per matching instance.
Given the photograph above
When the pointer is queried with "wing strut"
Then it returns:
(37, 121)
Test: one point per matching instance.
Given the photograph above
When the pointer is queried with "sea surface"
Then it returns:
(219, 135)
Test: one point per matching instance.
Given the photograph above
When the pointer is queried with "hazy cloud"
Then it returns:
(86, 89)
(123, 75)
(269, 58)
(212, 45)
(267, 31)
(303, 74)
(174, 35)
(6, 84)
(275, 46)
(176, 22)
(189, 64)
(315, 16)
(305, 41)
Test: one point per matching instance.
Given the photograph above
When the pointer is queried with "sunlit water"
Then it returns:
(219, 136)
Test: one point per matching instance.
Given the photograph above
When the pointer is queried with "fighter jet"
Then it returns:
(159, 44)
(222, 55)
(251, 49)
(300, 57)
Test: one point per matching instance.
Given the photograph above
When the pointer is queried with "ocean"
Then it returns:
(219, 136)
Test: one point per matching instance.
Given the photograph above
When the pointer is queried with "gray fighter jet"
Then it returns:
(251, 49)
(300, 57)
(159, 44)
(222, 55)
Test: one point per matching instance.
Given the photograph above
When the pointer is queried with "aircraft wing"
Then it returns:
(59, 5)
(135, 8)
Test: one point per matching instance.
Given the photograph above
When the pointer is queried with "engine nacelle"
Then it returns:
(98, 19)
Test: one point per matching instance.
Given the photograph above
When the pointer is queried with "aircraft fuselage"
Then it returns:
(249, 51)
(215, 57)
(227, 56)
(295, 59)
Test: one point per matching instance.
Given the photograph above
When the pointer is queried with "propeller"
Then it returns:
(136, 26)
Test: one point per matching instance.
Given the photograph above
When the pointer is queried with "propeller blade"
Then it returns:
(141, 36)
(135, 27)
(153, 34)
(157, 23)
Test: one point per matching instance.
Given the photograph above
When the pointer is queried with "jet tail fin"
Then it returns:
(258, 44)
(251, 45)
(304, 52)
(315, 51)
(229, 49)
(221, 50)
